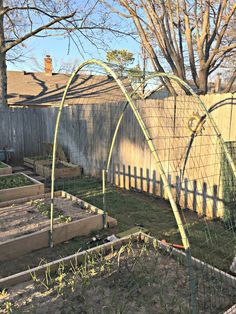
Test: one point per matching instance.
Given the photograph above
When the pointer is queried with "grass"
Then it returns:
(13, 181)
(210, 240)
(138, 283)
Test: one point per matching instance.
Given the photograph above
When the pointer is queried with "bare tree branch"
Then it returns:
(192, 37)
(36, 31)
(230, 82)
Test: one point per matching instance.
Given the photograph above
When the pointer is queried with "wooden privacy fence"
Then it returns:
(86, 131)
(187, 195)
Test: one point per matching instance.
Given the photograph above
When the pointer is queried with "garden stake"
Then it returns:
(104, 198)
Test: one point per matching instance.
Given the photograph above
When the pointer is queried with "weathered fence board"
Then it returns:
(86, 132)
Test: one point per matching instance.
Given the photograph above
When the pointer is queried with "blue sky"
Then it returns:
(58, 49)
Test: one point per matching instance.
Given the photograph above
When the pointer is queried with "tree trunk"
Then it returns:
(3, 67)
(3, 83)
(5, 129)
(203, 80)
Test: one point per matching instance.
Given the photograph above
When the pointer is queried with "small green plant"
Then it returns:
(47, 281)
(12, 181)
(65, 219)
(60, 279)
(137, 275)
(3, 294)
(44, 208)
(8, 307)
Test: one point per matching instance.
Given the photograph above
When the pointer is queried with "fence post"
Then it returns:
(214, 200)
(135, 178)
(148, 181)
(124, 175)
(170, 185)
(161, 187)
(141, 179)
(204, 198)
(154, 182)
(129, 177)
(113, 174)
(178, 189)
(118, 175)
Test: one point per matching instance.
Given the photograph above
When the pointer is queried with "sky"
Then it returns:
(57, 48)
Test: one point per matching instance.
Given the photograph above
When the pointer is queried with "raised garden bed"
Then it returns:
(25, 224)
(31, 161)
(19, 185)
(47, 148)
(129, 275)
(5, 169)
(62, 169)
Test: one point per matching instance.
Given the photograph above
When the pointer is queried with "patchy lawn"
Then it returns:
(210, 241)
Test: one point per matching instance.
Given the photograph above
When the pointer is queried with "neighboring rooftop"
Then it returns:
(40, 89)
(47, 88)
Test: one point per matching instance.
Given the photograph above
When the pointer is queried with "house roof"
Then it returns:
(37, 88)
(162, 92)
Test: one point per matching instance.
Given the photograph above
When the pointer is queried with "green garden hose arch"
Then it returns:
(192, 135)
(141, 123)
(145, 132)
(152, 148)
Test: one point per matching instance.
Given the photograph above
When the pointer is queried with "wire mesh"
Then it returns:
(197, 170)
(199, 173)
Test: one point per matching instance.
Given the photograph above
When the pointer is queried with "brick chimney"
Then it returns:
(48, 65)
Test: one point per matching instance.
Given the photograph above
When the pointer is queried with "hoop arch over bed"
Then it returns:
(145, 132)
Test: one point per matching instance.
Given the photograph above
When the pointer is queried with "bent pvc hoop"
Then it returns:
(146, 135)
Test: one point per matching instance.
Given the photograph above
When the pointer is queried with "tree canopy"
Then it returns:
(121, 59)
(190, 38)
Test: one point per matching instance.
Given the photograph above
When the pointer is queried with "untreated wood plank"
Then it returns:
(6, 169)
(36, 188)
(62, 232)
(44, 169)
